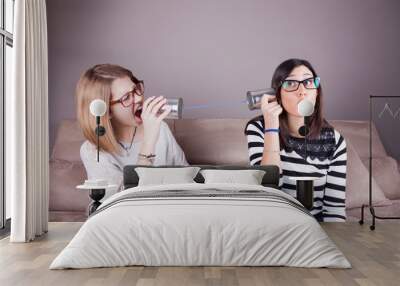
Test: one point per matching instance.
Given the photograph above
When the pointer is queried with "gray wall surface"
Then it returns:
(213, 51)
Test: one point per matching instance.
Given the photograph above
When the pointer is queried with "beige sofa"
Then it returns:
(222, 141)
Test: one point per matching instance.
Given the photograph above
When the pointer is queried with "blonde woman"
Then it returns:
(135, 131)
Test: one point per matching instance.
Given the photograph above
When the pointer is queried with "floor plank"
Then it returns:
(375, 257)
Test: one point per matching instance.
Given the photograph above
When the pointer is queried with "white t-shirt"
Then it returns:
(110, 166)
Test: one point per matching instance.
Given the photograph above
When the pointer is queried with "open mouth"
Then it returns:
(138, 114)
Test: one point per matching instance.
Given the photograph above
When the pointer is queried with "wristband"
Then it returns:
(271, 130)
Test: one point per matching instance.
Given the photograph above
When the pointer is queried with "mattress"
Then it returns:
(201, 225)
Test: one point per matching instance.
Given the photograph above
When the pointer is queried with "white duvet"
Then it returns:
(207, 230)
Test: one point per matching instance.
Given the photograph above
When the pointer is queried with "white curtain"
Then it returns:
(27, 124)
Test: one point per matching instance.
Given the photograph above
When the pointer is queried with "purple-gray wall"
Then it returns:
(213, 51)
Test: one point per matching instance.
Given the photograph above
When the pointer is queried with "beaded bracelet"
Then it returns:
(150, 156)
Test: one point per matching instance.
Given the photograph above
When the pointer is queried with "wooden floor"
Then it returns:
(375, 257)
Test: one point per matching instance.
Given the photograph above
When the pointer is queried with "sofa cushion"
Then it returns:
(357, 133)
(64, 177)
(357, 183)
(392, 210)
(206, 141)
(386, 173)
(68, 141)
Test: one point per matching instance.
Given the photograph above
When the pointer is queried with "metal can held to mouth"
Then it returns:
(254, 97)
(305, 107)
(176, 105)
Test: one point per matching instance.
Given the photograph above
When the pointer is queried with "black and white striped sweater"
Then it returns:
(326, 159)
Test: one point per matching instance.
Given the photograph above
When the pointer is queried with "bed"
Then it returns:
(201, 224)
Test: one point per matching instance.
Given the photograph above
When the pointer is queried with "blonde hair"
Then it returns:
(95, 83)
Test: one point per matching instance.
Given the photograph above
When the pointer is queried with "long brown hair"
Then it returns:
(95, 83)
(317, 121)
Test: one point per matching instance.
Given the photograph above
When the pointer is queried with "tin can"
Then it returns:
(254, 97)
(176, 105)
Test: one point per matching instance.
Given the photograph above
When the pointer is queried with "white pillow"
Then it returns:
(163, 176)
(249, 177)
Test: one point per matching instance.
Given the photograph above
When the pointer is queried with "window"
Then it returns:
(6, 69)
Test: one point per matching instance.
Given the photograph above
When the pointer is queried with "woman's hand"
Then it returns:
(271, 111)
(152, 118)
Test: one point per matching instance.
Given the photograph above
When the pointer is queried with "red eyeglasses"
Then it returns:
(129, 98)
